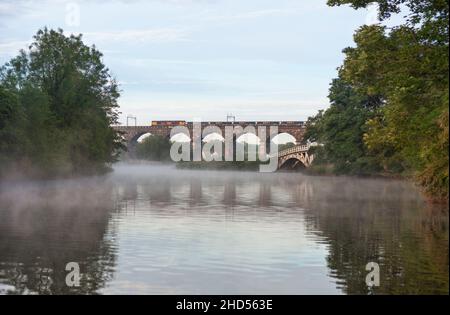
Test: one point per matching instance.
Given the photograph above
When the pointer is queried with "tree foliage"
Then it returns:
(57, 104)
(407, 67)
(340, 130)
(154, 148)
(419, 10)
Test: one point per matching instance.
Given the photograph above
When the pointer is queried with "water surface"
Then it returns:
(158, 230)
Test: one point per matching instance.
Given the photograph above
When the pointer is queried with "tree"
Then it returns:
(154, 148)
(419, 10)
(11, 119)
(68, 101)
(340, 130)
(408, 66)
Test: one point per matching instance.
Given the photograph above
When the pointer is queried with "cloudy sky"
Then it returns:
(202, 59)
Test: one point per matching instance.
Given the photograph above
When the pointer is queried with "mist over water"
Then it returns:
(154, 229)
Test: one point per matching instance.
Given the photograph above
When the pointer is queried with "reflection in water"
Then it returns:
(45, 226)
(384, 223)
(154, 229)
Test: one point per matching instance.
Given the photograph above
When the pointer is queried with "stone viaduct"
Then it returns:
(290, 157)
(132, 133)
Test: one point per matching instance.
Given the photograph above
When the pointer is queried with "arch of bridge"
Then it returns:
(303, 157)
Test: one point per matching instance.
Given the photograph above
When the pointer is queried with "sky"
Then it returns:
(202, 59)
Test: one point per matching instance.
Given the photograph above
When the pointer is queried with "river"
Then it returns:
(153, 229)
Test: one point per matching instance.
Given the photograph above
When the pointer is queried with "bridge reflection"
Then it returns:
(196, 192)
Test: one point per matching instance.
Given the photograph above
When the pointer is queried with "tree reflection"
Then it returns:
(50, 227)
(379, 221)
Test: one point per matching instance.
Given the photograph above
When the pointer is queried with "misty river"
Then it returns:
(153, 229)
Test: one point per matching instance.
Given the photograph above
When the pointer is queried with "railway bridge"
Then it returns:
(289, 158)
(131, 134)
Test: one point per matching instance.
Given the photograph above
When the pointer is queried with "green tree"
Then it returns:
(67, 100)
(419, 10)
(11, 124)
(408, 66)
(154, 148)
(340, 130)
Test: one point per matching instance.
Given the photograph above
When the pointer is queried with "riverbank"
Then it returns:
(27, 172)
(328, 170)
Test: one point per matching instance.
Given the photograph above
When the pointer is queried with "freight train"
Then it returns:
(169, 123)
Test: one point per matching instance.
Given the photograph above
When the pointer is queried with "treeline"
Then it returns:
(389, 106)
(154, 148)
(57, 103)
